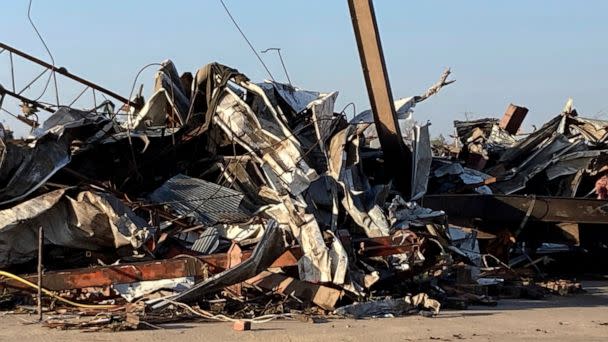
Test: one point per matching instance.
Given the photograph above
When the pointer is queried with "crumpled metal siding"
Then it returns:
(92, 221)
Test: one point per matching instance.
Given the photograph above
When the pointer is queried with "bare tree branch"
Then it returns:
(434, 89)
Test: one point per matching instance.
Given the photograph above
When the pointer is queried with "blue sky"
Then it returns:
(532, 53)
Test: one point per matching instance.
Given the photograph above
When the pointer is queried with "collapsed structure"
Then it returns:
(217, 194)
(550, 182)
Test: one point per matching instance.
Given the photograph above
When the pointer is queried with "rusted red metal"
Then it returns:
(388, 245)
(118, 274)
(189, 266)
(185, 266)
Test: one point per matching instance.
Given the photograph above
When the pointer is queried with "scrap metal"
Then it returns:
(256, 199)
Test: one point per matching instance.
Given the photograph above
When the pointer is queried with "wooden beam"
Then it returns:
(397, 156)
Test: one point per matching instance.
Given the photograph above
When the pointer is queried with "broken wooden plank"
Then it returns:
(323, 296)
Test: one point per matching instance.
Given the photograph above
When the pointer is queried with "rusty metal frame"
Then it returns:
(62, 71)
(100, 276)
(185, 266)
(36, 103)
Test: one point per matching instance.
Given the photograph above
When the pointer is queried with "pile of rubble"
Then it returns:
(552, 161)
(216, 197)
(222, 199)
(546, 188)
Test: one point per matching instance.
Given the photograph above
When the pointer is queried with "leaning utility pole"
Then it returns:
(397, 156)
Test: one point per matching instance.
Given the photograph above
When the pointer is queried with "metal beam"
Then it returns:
(25, 99)
(397, 157)
(99, 276)
(188, 266)
(512, 209)
(64, 72)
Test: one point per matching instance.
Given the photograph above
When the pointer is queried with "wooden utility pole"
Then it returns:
(397, 156)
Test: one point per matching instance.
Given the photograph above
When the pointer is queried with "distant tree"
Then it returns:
(438, 141)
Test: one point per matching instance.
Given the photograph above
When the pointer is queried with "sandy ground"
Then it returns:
(576, 318)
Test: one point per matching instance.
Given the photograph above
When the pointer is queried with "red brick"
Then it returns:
(241, 326)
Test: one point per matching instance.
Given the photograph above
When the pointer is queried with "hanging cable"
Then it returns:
(343, 111)
(224, 318)
(129, 128)
(247, 40)
(29, 17)
(135, 83)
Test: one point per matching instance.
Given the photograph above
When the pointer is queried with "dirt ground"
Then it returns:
(576, 318)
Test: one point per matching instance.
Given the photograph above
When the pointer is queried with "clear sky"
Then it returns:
(532, 53)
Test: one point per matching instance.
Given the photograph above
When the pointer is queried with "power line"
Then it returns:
(247, 40)
(29, 17)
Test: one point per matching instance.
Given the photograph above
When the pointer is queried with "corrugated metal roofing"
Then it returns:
(208, 203)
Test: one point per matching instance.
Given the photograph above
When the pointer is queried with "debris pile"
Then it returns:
(531, 196)
(552, 161)
(218, 198)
